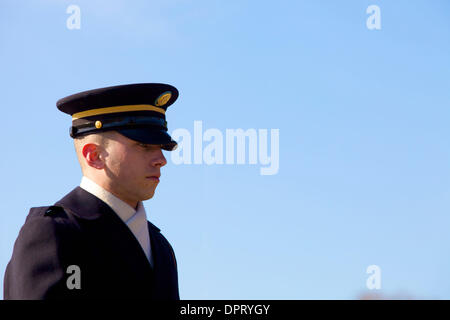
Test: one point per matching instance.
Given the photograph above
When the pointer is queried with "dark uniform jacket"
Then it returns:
(84, 231)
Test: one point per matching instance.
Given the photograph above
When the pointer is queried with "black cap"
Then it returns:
(135, 110)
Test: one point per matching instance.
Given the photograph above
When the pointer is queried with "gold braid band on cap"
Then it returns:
(134, 107)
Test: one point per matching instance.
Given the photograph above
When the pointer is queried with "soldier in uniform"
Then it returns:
(96, 241)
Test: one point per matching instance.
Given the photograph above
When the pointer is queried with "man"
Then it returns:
(96, 241)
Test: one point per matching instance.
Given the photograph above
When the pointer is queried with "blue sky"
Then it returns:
(362, 115)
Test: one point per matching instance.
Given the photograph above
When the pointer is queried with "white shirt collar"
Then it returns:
(123, 209)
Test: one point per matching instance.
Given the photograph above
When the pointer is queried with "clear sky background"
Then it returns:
(363, 115)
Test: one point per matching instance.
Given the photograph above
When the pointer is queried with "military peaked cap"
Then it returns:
(138, 111)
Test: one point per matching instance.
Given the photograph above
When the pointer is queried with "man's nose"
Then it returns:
(159, 160)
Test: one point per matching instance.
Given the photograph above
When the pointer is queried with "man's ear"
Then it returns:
(91, 152)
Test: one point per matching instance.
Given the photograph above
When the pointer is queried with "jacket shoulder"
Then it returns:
(45, 211)
(48, 226)
(53, 213)
(40, 255)
(45, 223)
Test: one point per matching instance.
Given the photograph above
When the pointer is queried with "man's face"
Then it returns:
(132, 169)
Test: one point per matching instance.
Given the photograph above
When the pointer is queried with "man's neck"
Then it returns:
(98, 188)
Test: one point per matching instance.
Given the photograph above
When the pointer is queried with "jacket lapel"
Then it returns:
(165, 276)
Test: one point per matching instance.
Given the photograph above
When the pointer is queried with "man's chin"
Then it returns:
(148, 196)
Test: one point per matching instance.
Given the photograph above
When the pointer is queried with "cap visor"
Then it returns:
(144, 135)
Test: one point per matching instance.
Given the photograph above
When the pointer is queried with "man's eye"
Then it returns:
(147, 146)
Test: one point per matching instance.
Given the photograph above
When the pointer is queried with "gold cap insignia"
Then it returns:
(163, 98)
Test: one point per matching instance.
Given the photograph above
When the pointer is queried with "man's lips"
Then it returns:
(155, 178)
